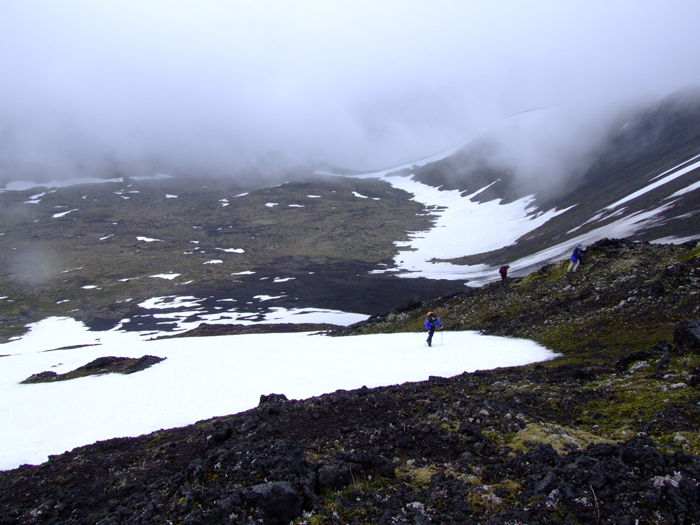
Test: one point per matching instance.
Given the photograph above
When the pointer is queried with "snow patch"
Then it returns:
(57, 215)
(205, 377)
(171, 301)
(263, 298)
(687, 189)
(72, 270)
(658, 183)
(148, 239)
(675, 240)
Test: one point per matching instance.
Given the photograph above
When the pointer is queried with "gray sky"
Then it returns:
(91, 86)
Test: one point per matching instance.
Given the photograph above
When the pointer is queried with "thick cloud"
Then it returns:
(232, 88)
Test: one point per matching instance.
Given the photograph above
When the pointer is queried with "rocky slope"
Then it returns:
(607, 433)
(625, 295)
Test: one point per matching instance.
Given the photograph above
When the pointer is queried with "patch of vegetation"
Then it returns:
(625, 297)
(695, 252)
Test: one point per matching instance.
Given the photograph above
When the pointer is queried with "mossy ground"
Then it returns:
(626, 297)
(622, 299)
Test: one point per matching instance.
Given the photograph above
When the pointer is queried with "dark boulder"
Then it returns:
(472, 432)
(221, 435)
(659, 349)
(624, 362)
(279, 501)
(368, 462)
(687, 336)
(350, 467)
(335, 475)
(543, 454)
(614, 244)
(656, 289)
(272, 399)
(547, 484)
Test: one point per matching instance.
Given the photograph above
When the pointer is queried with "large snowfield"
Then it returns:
(206, 377)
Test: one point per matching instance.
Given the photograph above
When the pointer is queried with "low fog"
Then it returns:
(241, 89)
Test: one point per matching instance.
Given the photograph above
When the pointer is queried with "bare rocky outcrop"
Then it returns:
(101, 365)
(687, 336)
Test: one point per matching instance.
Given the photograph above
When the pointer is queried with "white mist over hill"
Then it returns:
(259, 88)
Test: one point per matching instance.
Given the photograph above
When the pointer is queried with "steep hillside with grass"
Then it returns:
(625, 296)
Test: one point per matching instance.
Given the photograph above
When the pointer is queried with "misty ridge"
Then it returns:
(541, 150)
(547, 152)
(263, 93)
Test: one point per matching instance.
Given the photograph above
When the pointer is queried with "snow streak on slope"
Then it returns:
(463, 227)
(658, 183)
(619, 229)
(206, 377)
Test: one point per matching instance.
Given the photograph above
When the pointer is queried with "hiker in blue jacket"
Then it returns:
(431, 323)
(575, 259)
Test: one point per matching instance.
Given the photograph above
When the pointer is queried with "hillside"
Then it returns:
(94, 252)
(363, 243)
(625, 295)
(604, 434)
(638, 183)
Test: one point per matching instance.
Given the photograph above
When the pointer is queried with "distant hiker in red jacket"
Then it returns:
(503, 270)
(431, 323)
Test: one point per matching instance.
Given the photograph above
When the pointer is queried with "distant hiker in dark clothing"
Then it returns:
(431, 323)
(503, 270)
(575, 259)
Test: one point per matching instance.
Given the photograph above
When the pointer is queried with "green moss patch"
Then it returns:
(563, 439)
